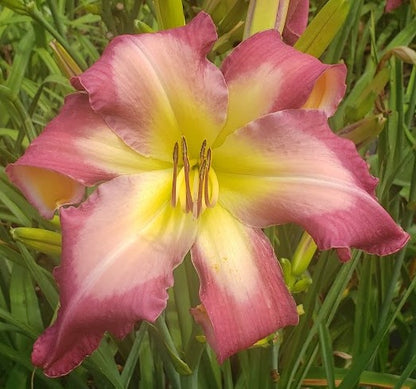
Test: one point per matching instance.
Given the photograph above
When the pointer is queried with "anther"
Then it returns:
(186, 169)
(175, 173)
(202, 152)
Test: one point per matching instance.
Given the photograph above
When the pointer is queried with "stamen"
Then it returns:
(186, 168)
(195, 185)
(175, 174)
(198, 203)
(202, 152)
(208, 159)
(206, 180)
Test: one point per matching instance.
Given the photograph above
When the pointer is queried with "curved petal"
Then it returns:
(242, 287)
(295, 21)
(151, 88)
(265, 75)
(45, 189)
(77, 148)
(289, 167)
(119, 251)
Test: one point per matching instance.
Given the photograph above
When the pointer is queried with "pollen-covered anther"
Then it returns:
(195, 186)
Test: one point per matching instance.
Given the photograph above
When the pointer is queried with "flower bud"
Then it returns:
(45, 241)
(303, 254)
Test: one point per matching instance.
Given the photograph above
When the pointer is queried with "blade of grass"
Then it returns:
(359, 364)
(131, 362)
(326, 353)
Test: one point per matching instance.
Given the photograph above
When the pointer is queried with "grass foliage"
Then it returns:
(358, 328)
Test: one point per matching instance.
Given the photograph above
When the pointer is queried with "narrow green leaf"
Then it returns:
(23, 300)
(10, 100)
(161, 334)
(131, 362)
(17, 378)
(20, 62)
(411, 366)
(19, 325)
(404, 37)
(317, 377)
(102, 360)
(323, 27)
(261, 16)
(45, 284)
(360, 363)
(326, 353)
(169, 13)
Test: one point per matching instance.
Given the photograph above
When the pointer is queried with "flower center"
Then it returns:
(195, 186)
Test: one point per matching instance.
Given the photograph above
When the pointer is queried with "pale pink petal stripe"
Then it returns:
(289, 167)
(153, 88)
(242, 289)
(119, 251)
(265, 75)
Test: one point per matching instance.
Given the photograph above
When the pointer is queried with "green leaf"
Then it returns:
(317, 377)
(131, 362)
(102, 360)
(323, 28)
(166, 346)
(169, 13)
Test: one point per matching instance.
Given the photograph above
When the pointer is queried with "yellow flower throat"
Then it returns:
(195, 187)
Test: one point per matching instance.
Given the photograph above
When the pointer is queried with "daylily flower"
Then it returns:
(189, 157)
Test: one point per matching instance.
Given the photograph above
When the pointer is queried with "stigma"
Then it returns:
(194, 182)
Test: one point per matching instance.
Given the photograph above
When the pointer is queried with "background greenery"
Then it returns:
(359, 322)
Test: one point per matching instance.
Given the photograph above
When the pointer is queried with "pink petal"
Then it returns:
(242, 288)
(77, 148)
(151, 88)
(296, 20)
(391, 5)
(289, 167)
(265, 75)
(119, 251)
